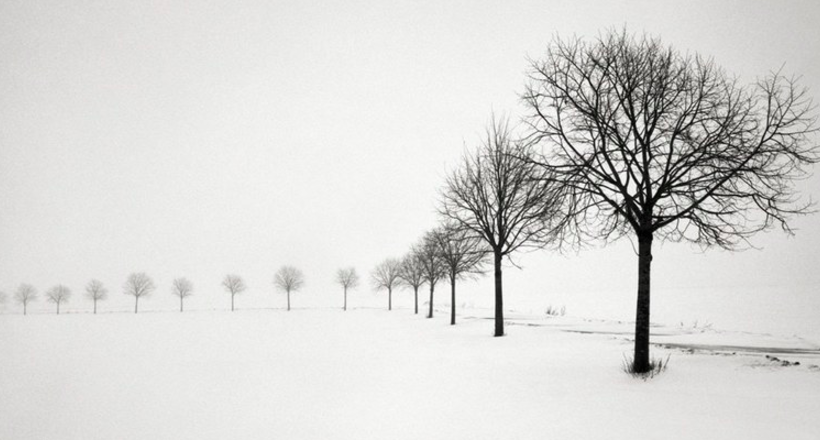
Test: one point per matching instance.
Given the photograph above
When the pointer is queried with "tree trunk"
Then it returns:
(58, 307)
(136, 303)
(641, 359)
(95, 306)
(499, 300)
(345, 307)
(232, 295)
(389, 298)
(430, 314)
(25, 306)
(288, 300)
(452, 299)
(180, 304)
(416, 296)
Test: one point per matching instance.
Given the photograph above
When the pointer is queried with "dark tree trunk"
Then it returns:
(232, 295)
(499, 299)
(641, 360)
(432, 287)
(389, 298)
(452, 299)
(180, 304)
(95, 306)
(288, 300)
(345, 307)
(136, 303)
(58, 307)
(416, 296)
(25, 306)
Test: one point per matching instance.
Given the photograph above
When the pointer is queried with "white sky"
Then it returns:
(200, 138)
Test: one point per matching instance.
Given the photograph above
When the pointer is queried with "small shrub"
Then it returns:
(555, 311)
(657, 366)
(701, 327)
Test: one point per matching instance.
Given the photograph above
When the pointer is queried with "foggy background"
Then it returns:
(202, 138)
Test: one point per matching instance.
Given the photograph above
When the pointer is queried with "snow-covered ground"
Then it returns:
(369, 373)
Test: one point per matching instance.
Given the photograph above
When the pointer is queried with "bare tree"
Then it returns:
(138, 285)
(502, 198)
(95, 291)
(234, 285)
(653, 144)
(412, 275)
(57, 295)
(289, 279)
(462, 255)
(182, 288)
(25, 294)
(349, 279)
(430, 259)
(386, 276)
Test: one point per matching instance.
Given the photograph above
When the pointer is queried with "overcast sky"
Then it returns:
(205, 137)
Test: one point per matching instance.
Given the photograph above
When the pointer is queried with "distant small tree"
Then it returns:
(57, 295)
(428, 254)
(95, 291)
(412, 275)
(349, 279)
(25, 294)
(182, 288)
(386, 276)
(138, 285)
(462, 254)
(289, 279)
(234, 285)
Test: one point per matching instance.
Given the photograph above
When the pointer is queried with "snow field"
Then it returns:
(321, 374)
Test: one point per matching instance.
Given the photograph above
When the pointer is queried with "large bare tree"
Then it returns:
(386, 276)
(430, 260)
(96, 291)
(462, 255)
(349, 279)
(289, 279)
(138, 285)
(654, 144)
(182, 288)
(234, 285)
(25, 294)
(412, 275)
(58, 295)
(502, 198)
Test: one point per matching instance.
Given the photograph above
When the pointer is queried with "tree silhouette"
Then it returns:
(653, 144)
(234, 285)
(289, 279)
(182, 288)
(25, 294)
(57, 295)
(502, 198)
(349, 279)
(138, 285)
(426, 251)
(386, 276)
(95, 291)
(412, 275)
(462, 255)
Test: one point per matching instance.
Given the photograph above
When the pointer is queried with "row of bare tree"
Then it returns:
(288, 279)
(624, 137)
(445, 252)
